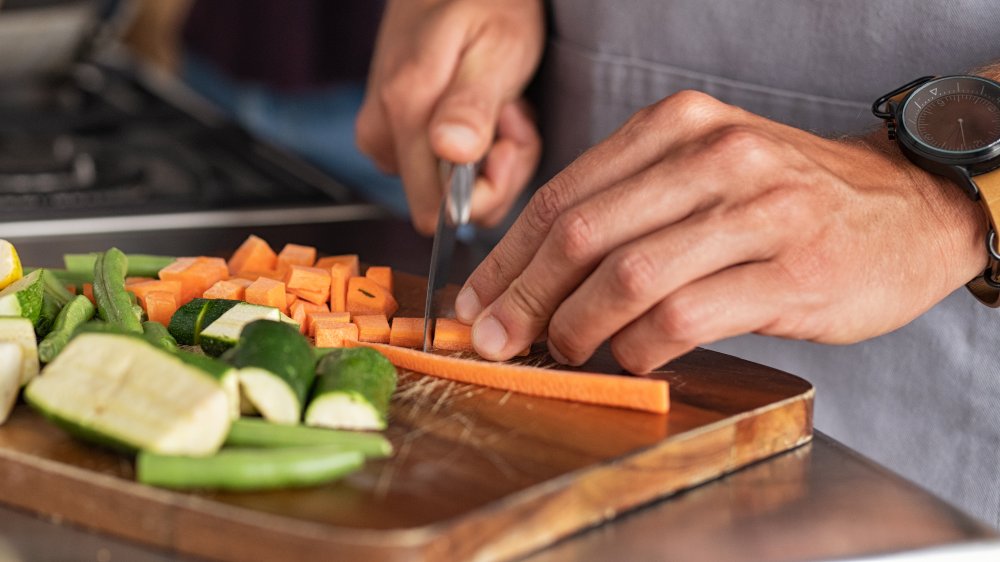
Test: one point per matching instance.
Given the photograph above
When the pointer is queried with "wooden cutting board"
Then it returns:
(478, 474)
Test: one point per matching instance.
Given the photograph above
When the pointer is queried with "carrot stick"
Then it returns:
(340, 273)
(313, 317)
(372, 328)
(452, 335)
(620, 391)
(407, 332)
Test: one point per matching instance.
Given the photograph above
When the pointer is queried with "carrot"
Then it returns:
(71, 289)
(313, 317)
(241, 281)
(335, 334)
(225, 289)
(142, 289)
(255, 274)
(381, 275)
(620, 391)
(340, 274)
(349, 260)
(372, 328)
(88, 291)
(309, 283)
(134, 280)
(267, 292)
(365, 296)
(295, 254)
(407, 332)
(161, 306)
(195, 274)
(253, 254)
(290, 299)
(452, 335)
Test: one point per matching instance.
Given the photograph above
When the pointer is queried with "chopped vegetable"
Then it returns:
(23, 297)
(11, 360)
(187, 323)
(365, 296)
(327, 317)
(250, 432)
(114, 303)
(650, 395)
(340, 275)
(276, 369)
(142, 288)
(267, 292)
(350, 261)
(226, 289)
(157, 334)
(372, 328)
(161, 306)
(452, 335)
(253, 254)
(223, 333)
(334, 334)
(75, 313)
(195, 274)
(352, 390)
(309, 283)
(381, 275)
(21, 332)
(407, 332)
(296, 254)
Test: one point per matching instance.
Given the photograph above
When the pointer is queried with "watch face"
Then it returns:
(955, 116)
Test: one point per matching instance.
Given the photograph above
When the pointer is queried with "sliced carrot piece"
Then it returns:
(335, 334)
(296, 254)
(225, 289)
(88, 291)
(195, 274)
(316, 316)
(267, 292)
(340, 274)
(372, 328)
(382, 275)
(452, 335)
(290, 299)
(253, 254)
(71, 289)
(161, 306)
(134, 280)
(620, 391)
(350, 260)
(365, 296)
(143, 289)
(407, 332)
(309, 283)
(255, 274)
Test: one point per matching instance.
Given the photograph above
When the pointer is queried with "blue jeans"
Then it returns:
(316, 124)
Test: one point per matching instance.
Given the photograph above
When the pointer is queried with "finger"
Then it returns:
(509, 165)
(634, 147)
(373, 135)
(738, 300)
(633, 278)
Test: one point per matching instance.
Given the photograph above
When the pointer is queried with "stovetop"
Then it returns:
(98, 142)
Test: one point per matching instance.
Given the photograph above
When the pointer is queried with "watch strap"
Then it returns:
(989, 197)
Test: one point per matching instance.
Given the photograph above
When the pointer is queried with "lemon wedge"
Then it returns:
(10, 265)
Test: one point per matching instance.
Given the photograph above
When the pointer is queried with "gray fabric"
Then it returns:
(924, 400)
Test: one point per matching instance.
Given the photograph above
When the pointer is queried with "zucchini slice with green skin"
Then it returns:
(11, 357)
(251, 432)
(120, 390)
(249, 469)
(219, 370)
(23, 297)
(276, 369)
(22, 332)
(223, 332)
(187, 323)
(352, 391)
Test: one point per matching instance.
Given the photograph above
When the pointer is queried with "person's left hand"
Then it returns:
(697, 221)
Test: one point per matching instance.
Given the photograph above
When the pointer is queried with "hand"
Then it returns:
(446, 82)
(698, 221)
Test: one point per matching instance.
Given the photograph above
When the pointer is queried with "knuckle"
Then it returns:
(678, 319)
(633, 274)
(567, 341)
(742, 145)
(689, 107)
(545, 206)
(525, 302)
(634, 359)
(576, 236)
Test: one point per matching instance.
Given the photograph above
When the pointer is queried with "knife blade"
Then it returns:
(455, 212)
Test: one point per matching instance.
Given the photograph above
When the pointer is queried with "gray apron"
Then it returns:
(923, 400)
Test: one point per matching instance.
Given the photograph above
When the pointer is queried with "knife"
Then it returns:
(455, 211)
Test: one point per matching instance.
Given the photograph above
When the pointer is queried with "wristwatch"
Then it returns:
(950, 126)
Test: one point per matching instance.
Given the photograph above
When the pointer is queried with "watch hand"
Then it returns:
(962, 129)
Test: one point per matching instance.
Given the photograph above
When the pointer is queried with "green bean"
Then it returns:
(76, 312)
(157, 334)
(139, 265)
(249, 469)
(114, 303)
(249, 432)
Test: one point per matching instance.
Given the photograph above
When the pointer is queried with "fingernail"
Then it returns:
(557, 355)
(459, 136)
(489, 337)
(467, 305)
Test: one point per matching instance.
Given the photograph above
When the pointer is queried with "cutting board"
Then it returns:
(478, 474)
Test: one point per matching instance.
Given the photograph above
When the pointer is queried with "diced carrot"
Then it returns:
(241, 281)
(134, 280)
(267, 292)
(309, 283)
(452, 335)
(335, 334)
(161, 306)
(71, 289)
(143, 289)
(176, 267)
(313, 317)
(308, 307)
(195, 274)
(254, 254)
(298, 314)
(381, 275)
(365, 296)
(225, 289)
(255, 274)
(621, 391)
(407, 332)
(350, 260)
(290, 299)
(372, 328)
(295, 254)
(88, 291)
(340, 274)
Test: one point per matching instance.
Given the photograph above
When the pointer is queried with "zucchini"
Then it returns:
(276, 369)
(249, 469)
(187, 323)
(23, 297)
(352, 390)
(11, 358)
(219, 370)
(251, 432)
(54, 297)
(22, 332)
(119, 390)
(223, 333)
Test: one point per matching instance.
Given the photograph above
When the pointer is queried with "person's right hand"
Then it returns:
(446, 82)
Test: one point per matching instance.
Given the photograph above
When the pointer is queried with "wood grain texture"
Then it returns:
(478, 474)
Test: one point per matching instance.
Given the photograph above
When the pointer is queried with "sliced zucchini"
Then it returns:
(187, 323)
(219, 370)
(223, 333)
(22, 332)
(352, 390)
(10, 377)
(120, 390)
(276, 369)
(23, 297)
